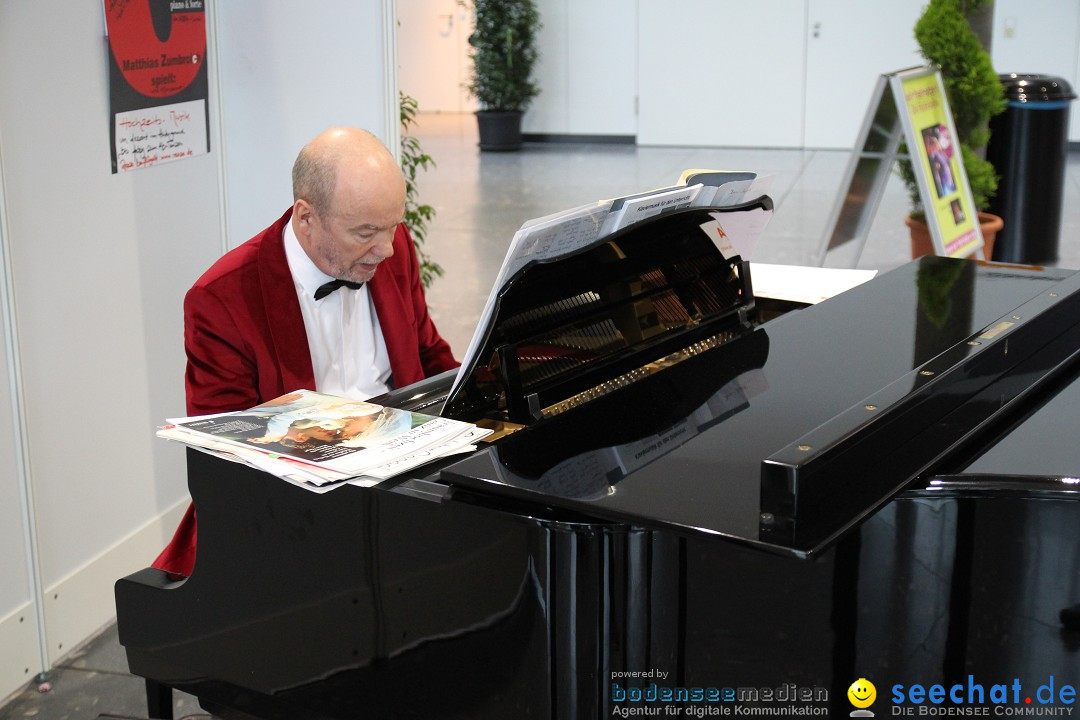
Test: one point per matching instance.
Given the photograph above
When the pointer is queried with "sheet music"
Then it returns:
(805, 284)
(627, 211)
(737, 233)
(543, 238)
(734, 192)
(555, 237)
(569, 231)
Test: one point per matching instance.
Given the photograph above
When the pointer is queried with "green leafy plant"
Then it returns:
(503, 53)
(975, 94)
(417, 216)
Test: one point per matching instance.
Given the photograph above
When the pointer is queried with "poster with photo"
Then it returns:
(935, 156)
(158, 85)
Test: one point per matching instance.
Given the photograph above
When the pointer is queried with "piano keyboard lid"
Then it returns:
(789, 436)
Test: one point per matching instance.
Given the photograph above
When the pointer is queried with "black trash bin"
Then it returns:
(1028, 145)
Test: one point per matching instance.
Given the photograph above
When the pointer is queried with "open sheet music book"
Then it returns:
(570, 231)
(316, 440)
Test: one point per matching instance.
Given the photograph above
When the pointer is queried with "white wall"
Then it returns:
(100, 264)
(18, 631)
(433, 54)
(775, 73)
(721, 74)
(849, 45)
(588, 68)
(291, 70)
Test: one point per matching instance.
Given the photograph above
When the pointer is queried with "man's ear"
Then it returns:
(303, 216)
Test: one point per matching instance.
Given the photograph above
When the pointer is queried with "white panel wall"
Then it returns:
(587, 69)
(549, 112)
(777, 73)
(602, 67)
(18, 632)
(721, 73)
(849, 45)
(433, 54)
(291, 70)
(99, 264)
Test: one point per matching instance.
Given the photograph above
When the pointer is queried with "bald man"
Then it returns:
(327, 298)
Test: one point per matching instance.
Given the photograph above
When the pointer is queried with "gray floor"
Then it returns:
(93, 682)
(480, 200)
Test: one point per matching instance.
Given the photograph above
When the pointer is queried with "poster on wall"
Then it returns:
(939, 168)
(158, 84)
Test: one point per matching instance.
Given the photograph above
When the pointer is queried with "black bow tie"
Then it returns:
(333, 285)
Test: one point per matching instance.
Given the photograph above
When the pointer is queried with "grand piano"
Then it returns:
(699, 502)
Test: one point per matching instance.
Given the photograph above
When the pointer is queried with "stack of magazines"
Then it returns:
(320, 441)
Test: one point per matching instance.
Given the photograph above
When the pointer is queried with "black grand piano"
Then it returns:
(699, 503)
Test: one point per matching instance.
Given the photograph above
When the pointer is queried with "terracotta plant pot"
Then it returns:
(922, 244)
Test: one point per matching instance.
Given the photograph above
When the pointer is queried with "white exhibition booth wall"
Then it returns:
(96, 266)
(769, 73)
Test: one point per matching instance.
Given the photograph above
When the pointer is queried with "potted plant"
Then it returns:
(417, 215)
(975, 95)
(503, 53)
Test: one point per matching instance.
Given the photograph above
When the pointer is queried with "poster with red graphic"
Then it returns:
(158, 84)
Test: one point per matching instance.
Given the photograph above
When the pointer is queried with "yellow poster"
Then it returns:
(935, 155)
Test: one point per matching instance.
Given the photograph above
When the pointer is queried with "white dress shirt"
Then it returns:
(348, 353)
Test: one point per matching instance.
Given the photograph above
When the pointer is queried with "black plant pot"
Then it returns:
(499, 129)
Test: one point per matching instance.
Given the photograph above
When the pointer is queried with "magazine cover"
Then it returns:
(338, 433)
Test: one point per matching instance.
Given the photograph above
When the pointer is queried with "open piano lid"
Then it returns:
(792, 432)
(564, 329)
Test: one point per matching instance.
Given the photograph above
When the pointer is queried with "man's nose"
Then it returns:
(384, 248)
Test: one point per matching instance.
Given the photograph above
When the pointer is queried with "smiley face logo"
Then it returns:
(862, 693)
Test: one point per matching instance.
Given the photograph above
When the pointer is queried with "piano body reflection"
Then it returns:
(703, 490)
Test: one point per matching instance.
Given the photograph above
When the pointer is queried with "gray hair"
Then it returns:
(314, 175)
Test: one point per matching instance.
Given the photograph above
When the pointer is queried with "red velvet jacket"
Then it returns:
(246, 344)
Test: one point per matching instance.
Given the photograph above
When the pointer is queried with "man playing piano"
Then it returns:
(327, 298)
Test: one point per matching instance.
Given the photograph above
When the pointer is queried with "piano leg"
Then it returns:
(955, 659)
(159, 697)
(843, 617)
